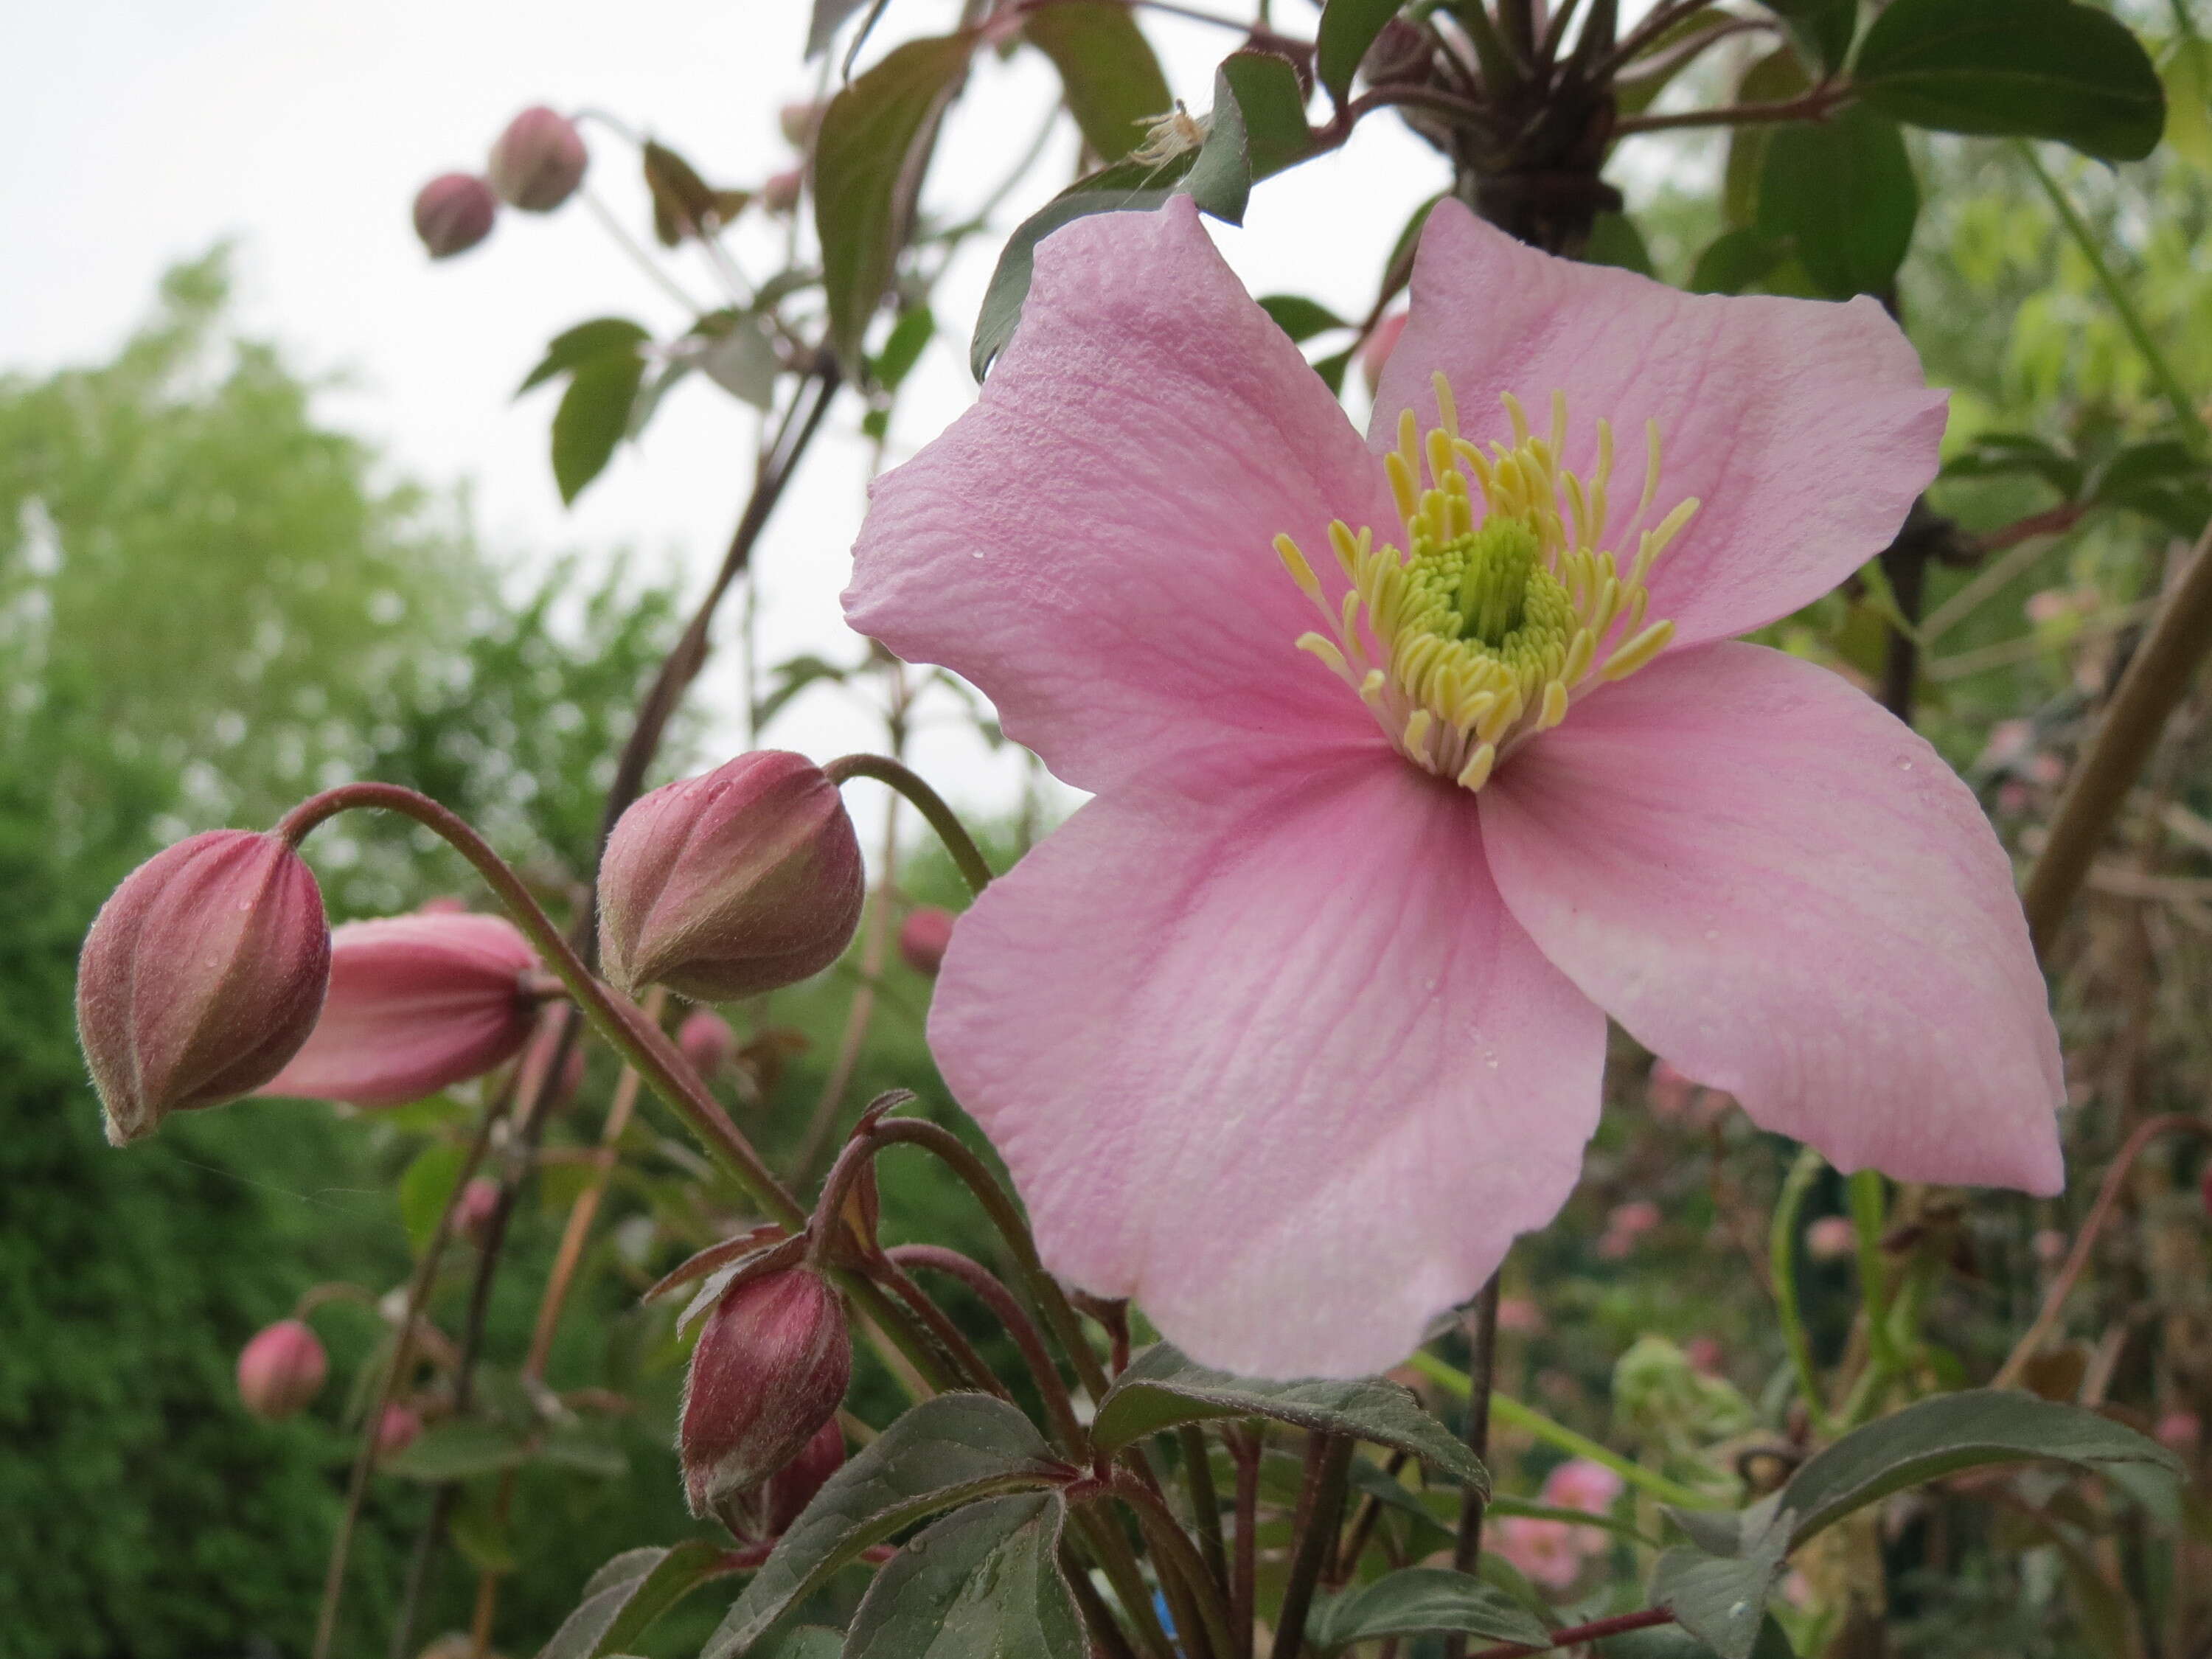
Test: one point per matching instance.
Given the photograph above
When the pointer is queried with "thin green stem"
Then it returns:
(1782, 1254)
(2131, 317)
(931, 804)
(1869, 1201)
(1504, 1409)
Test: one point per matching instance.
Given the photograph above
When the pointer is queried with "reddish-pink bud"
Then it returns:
(779, 191)
(707, 1043)
(281, 1370)
(201, 975)
(396, 1430)
(792, 1487)
(923, 937)
(1832, 1238)
(418, 1003)
(453, 212)
(473, 1211)
(1379, 344)
(771, 1368)
(537, 162)
(740, 881)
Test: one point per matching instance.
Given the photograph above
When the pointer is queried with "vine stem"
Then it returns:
(994, 1295)
(1482, 1357)
(2156, 680)
(1182, 1559)
(1619, 1624)
(1328, 1465)
(2108, 1194)
(1813, 106)
(1782, 1247)
(958, 842)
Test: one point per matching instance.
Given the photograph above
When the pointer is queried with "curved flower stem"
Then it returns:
(994, 1295)
(1782, 1247)
(1329, 1461)
(942, 818)
(1505, 1409)
(2054, 1301)
(1176, 1552)
(1869, 1220)
(2156, 680)
(1245, 1446)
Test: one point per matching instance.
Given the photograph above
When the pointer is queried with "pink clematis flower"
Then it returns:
(1416, 757)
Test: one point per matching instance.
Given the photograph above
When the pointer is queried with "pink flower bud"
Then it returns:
(792, 1487)
(281, 1370)
(418, 1004)
(1703, 1353)
(201, 977)
(2050, 1245)
(2179, 1431)
(779, 191)
(1379, 344)
(452, 213)
(740, 881)
(771, 1368)
(472, 1215)
(537, 162)
(1543, 1549)
(1832, 1238)
(798, 121)
(396, 1430)
(707, 1043)
(923, 937)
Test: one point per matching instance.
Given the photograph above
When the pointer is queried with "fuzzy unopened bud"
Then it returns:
(397, 1430)
(418, 1003)
(201, 975)
(779, 191)
(707, 1043)
(771, 1368)
(281, 1370)
(735, 882)
(474, 1210)
(792, 1487)
(453, 212)
(537, 162)
(923, 937)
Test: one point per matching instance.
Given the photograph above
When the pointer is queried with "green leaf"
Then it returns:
(625, 1596)
(2164, 480)
(1774, 79)
(1332, 369)
(1615, 240)
(1997, 455)
(1733, 260)
(603, 336)
(681, 200)
(1109, 190)
(1938, 1436)
(803, 1641)
(592, 418)
(1666, 57)
(575, 1448)
(427, 1188)
(1300, 318)
(903, 346)
(1161, 1389)
(1822, 28)
(1348, 28)
(1843, 190)
(457, 1450)
(869, 158)
(1273, 107)
(2030, 69)
(1420, 1600)
(953, 1450)
(1721, 1598)
(1108, 70)
(983, 1580)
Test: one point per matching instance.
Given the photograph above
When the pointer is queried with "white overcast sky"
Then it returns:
(137, 132)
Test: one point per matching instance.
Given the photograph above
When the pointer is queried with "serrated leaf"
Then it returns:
(1721, 1599)
(956, 1449)
(1298, 317)
(1842, 190)
(1419, 1600)
(983, 1580)
(457, 1449)
(1109, 72)
(427, 1188)
(592, 418)
(602, 336)
(1162, 1390)
(1733, 260)
(627, 1594)
(869, 158)
(1348, 28)
(1822, 28)
(2030, 69)
(1938, 1436)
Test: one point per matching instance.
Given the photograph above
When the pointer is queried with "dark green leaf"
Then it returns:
(1109, 190)
(681, 200)
(2163, 480)
(458, 1448)
(1774, 79)
(1331, 369)
(1822, 28)
(1108, 70)
(1418, 1600)
(1615, 240)
(627, 1594)
(1300, 318)
(1348, 28)
(603, 336)
(1843, 190)
(869, 158)
(1996, 455)
(1937, 1436)
(1219, 179)
(954, 1449)
(593, 416)
(2034, 69)
(1161, 1389)
(903, 346)
(586, 1453)
(1273, 107)
(427, 1188)
(1735, 260)
(1721, 1599)
(803, 1641)
(983, 1580)
(1674, 1643)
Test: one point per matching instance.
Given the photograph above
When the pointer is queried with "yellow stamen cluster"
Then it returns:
(1486, 630)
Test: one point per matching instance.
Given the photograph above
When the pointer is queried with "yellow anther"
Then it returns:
(1476, 772)
(1301, 572)
(1638, 651)
(1555, 705)
(1447, 410)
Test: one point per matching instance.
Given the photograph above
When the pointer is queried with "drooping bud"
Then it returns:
(418, 1003)
(473, 1213)
(779, 191)
(1832, 1238)
(792, 1487)
(735, 882)
(537, 162)
(453, 212)
(281, 1370)
(396, 1430)
(771, 1368)
(201, 977)
(707, 1043)
(923, 937)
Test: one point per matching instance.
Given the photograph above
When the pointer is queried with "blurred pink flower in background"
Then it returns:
(1519, 1316)
(1624, 1225)
(397, 1430)
(281, 1370)
(1289, 1031)
(923, 937)
(1832, 1238)
(2181, 1430)
(1545, 1550)
(707, 1041)
(1704, 1354)
(2050, 1246)
(1583, 1483)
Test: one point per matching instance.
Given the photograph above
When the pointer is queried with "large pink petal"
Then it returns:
(1805, 428)
(1091, 544)
(1785, 892)
(1273, 1060)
